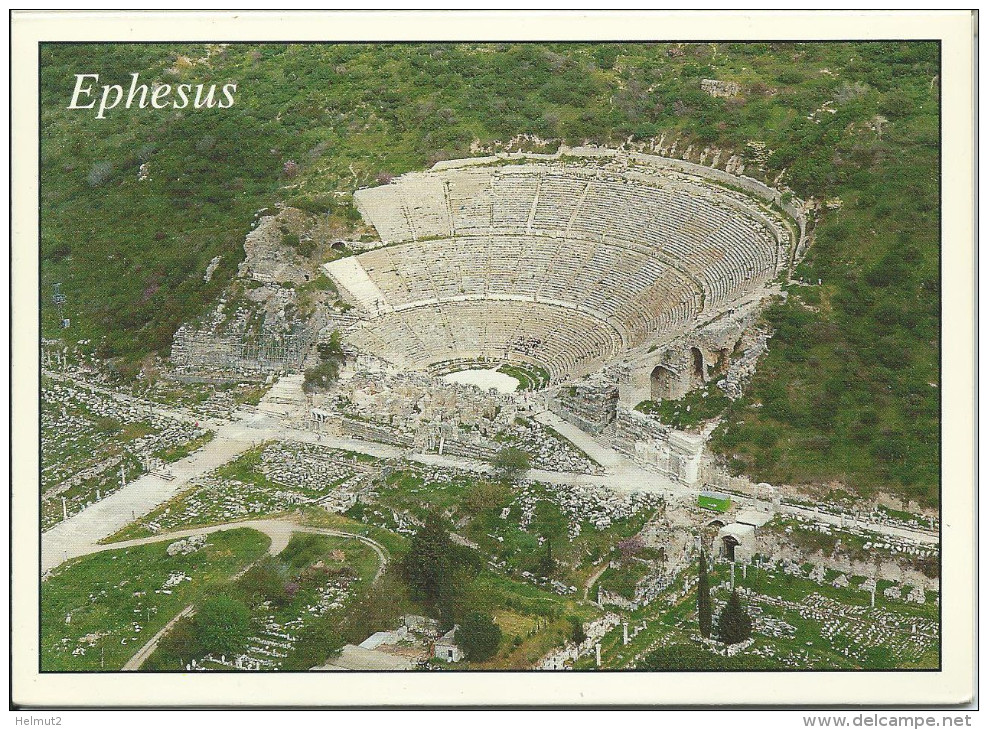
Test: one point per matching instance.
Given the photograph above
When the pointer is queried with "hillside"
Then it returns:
(849, 389)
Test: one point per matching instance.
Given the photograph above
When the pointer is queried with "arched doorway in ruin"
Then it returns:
(698, 373)
(728, 543)
(662, 380)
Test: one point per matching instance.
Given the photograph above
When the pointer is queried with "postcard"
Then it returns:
(493, 358)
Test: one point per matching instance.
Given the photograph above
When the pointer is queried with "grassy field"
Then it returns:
(849, 389)
(310, 585)
(529, 377)
(99, 610)
(799, 624)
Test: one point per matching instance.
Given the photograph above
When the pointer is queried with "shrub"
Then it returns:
(510, 463)
(478, 636)
(264, 581)
(99, 174)
(317, 642)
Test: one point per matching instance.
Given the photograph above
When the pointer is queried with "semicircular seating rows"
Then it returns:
(564, 266)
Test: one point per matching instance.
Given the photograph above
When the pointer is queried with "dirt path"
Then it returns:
(280, 532)
(80, 534)
(593, 579)
(137, 661)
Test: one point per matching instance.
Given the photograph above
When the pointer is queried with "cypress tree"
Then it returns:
(734, 625)
(703, 598)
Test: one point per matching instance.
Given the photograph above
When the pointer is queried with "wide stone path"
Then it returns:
(81, 533)
(604, 455)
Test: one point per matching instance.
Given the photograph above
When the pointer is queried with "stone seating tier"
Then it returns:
(629, 254)
(561, 340)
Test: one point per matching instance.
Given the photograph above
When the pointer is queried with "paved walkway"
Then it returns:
(922, 536)
(604, 455)
(137, 661)
(81, 533)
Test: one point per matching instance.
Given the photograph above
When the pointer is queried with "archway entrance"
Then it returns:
(662, 381)
(699, 375)
(728, 543)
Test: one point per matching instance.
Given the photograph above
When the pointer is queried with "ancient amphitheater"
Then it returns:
(575, 262)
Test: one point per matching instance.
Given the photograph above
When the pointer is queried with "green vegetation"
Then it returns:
(529, 377)
(478, 505)
(175, 453)
(691, 410)
(437, 570)
(734, 624)
(704, 617)
(799, 624)
(846, 544)
(331, 358)
(692, 658)
(479, 636)
(287, 590)
(84, 448)
(510, 464)
(504, 624)
(848, 390)
(96, 612)
(221, 624)
(623, 579)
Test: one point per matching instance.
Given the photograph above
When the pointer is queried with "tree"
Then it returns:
(547, 564)
(510, 463)
(478, 636)
(439, 572)
(428, 564)
(549, 521)
(379, 609)
(703, 598)
(577, 634)
(734, 625)
(331, 358)
(222, 625)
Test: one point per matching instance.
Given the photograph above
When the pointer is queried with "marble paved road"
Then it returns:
(78, 534)
(81, 533)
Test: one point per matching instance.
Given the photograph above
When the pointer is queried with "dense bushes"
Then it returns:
(347, 112)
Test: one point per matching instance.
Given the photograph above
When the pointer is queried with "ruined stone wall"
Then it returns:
(658, 447)
(590, 406)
